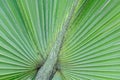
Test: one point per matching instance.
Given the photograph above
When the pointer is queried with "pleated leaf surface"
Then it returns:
(91, 46)
(91, 49)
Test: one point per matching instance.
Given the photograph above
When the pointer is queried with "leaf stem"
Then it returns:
(46, 70)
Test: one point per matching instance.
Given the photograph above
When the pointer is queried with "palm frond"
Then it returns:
(90, 50)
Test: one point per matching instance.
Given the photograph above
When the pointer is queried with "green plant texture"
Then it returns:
(59, 39)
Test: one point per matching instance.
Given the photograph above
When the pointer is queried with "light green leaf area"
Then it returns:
(91, 46)
(28, 29)
(58, 76)
(91, 49)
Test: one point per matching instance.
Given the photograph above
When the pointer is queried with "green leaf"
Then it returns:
(28, 29)
(91, 46)
(58, 76)
(91, 50)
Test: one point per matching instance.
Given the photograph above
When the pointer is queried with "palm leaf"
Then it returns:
(91, 49)
(91, 46)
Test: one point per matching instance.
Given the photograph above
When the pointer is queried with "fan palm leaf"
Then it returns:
(90, 48)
